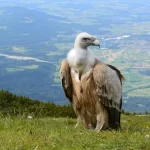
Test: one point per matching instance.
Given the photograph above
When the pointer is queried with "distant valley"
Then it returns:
(36, 36)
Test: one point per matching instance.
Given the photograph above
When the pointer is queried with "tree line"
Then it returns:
(13, 105)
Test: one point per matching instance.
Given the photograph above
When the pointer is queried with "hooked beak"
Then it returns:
(96, 43)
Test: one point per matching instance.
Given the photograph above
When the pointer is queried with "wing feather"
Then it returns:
(108, 81)
(65, 76)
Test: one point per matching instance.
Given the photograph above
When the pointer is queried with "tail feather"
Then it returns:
(114, 118)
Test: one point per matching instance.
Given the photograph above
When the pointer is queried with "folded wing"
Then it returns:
(108, 81)
(65, 75)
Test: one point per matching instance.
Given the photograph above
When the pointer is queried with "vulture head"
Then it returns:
(83, 40)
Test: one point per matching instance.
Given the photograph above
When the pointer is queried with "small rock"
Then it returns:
(29, 117)
(147, 136)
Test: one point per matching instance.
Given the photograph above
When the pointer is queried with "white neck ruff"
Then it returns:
(80, 60)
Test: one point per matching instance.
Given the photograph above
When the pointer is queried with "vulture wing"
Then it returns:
(108, 81)
(65, 75)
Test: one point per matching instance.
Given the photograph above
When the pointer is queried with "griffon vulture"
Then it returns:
(93, 87)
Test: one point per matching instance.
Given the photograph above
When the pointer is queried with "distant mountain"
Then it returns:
(23, 26)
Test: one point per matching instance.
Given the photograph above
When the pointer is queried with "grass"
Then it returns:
(59, 134)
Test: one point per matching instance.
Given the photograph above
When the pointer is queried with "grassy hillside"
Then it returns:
(52, 127)
(59, 134)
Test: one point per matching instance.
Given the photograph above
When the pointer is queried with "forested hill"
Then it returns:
(13, 105)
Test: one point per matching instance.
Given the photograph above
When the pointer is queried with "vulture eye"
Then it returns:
(85, 39)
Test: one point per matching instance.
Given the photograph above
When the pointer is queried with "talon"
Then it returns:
(90, 126)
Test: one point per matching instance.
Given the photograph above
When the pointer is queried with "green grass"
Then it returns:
(59, 134)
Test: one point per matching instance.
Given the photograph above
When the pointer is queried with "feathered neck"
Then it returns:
(79, 58)
(78, 45)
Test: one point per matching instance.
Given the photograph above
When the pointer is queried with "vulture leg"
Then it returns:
(102, 118)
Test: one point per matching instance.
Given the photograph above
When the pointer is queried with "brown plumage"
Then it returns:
(93, 88)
